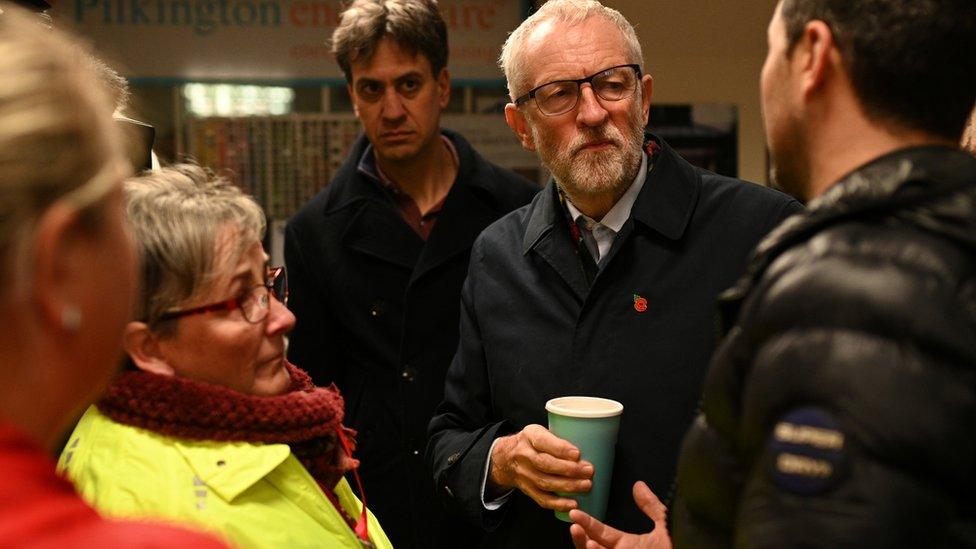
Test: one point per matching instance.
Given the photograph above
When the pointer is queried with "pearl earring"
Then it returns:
(71, 318)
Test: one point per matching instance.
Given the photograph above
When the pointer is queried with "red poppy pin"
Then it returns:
(640, 303)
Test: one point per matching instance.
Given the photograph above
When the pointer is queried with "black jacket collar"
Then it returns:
(665, 204)
(897, 181)
(913, 184)
(377, 229)
(469, 163)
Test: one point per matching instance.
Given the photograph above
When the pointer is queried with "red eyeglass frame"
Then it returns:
(235, 302)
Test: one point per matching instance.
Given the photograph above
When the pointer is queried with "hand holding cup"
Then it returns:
(538, 464)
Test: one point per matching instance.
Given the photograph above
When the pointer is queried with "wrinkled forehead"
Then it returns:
(389, 59)
(235, 246)
(557, 49)
(236, 251)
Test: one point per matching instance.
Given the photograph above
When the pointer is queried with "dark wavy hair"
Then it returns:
(911, 62)
(415, 25)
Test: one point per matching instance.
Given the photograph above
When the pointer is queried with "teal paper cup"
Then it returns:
(590, 424)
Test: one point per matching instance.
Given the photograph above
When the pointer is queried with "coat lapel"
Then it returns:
(378, 230)
(670, 194)
(667, 202)
(546, 235)
(468, 209)
(465, 214)
(665, 205)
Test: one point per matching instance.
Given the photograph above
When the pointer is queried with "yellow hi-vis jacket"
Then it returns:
(250, 494)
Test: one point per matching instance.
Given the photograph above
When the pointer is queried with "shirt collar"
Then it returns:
(620, 212)
(367, 164)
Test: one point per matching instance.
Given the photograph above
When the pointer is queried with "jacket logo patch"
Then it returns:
(640, 303)
(806, 434)
(792, 464)
(807, 451)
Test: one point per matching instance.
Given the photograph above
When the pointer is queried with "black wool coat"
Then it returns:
(377, 314)
(531, 330)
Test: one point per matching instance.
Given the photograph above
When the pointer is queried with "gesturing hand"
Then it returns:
(589, 533)
(539, 463)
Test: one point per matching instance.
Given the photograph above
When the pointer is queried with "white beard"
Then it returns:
(596, 173)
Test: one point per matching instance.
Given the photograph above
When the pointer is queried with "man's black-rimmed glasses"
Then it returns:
(562, 96)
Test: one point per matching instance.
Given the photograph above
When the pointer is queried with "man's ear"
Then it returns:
(816, 56)
(444, 88)
(647, 91)
(515, 119)
(142, 346)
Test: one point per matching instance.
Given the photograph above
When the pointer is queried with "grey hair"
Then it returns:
(568, 11)
(57, 139)
(415, 25)
(183, 218)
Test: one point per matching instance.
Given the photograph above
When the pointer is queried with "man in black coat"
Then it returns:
(603, 286)
(376, 261)
(840, 410)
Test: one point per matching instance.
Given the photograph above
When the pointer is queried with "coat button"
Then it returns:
(408, 373)
(376, 309)
(453, 458)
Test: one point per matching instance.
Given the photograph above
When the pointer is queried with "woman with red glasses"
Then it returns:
(209, 424)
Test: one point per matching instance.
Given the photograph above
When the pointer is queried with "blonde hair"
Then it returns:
(573, 12)
(183, 219)
(57, 139)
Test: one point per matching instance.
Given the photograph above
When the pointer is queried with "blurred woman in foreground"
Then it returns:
(210, 424)
(67, 282)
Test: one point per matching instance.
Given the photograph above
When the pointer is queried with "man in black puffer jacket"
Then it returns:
(840, 409)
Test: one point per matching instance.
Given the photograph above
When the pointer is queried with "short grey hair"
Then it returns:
(182, 217)
(57, 139)
(573, 12)
(415, 25)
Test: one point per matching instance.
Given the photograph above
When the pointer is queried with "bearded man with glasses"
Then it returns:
(604, 286)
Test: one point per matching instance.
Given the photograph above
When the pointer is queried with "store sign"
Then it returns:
(263, 40)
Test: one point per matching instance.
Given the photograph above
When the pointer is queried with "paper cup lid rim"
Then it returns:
(613, 408)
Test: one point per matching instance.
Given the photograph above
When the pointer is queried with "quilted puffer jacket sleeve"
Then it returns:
(842, 409)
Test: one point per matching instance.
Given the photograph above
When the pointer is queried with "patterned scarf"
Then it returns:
(306, 417)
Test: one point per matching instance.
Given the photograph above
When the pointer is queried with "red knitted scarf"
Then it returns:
(306, 418)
